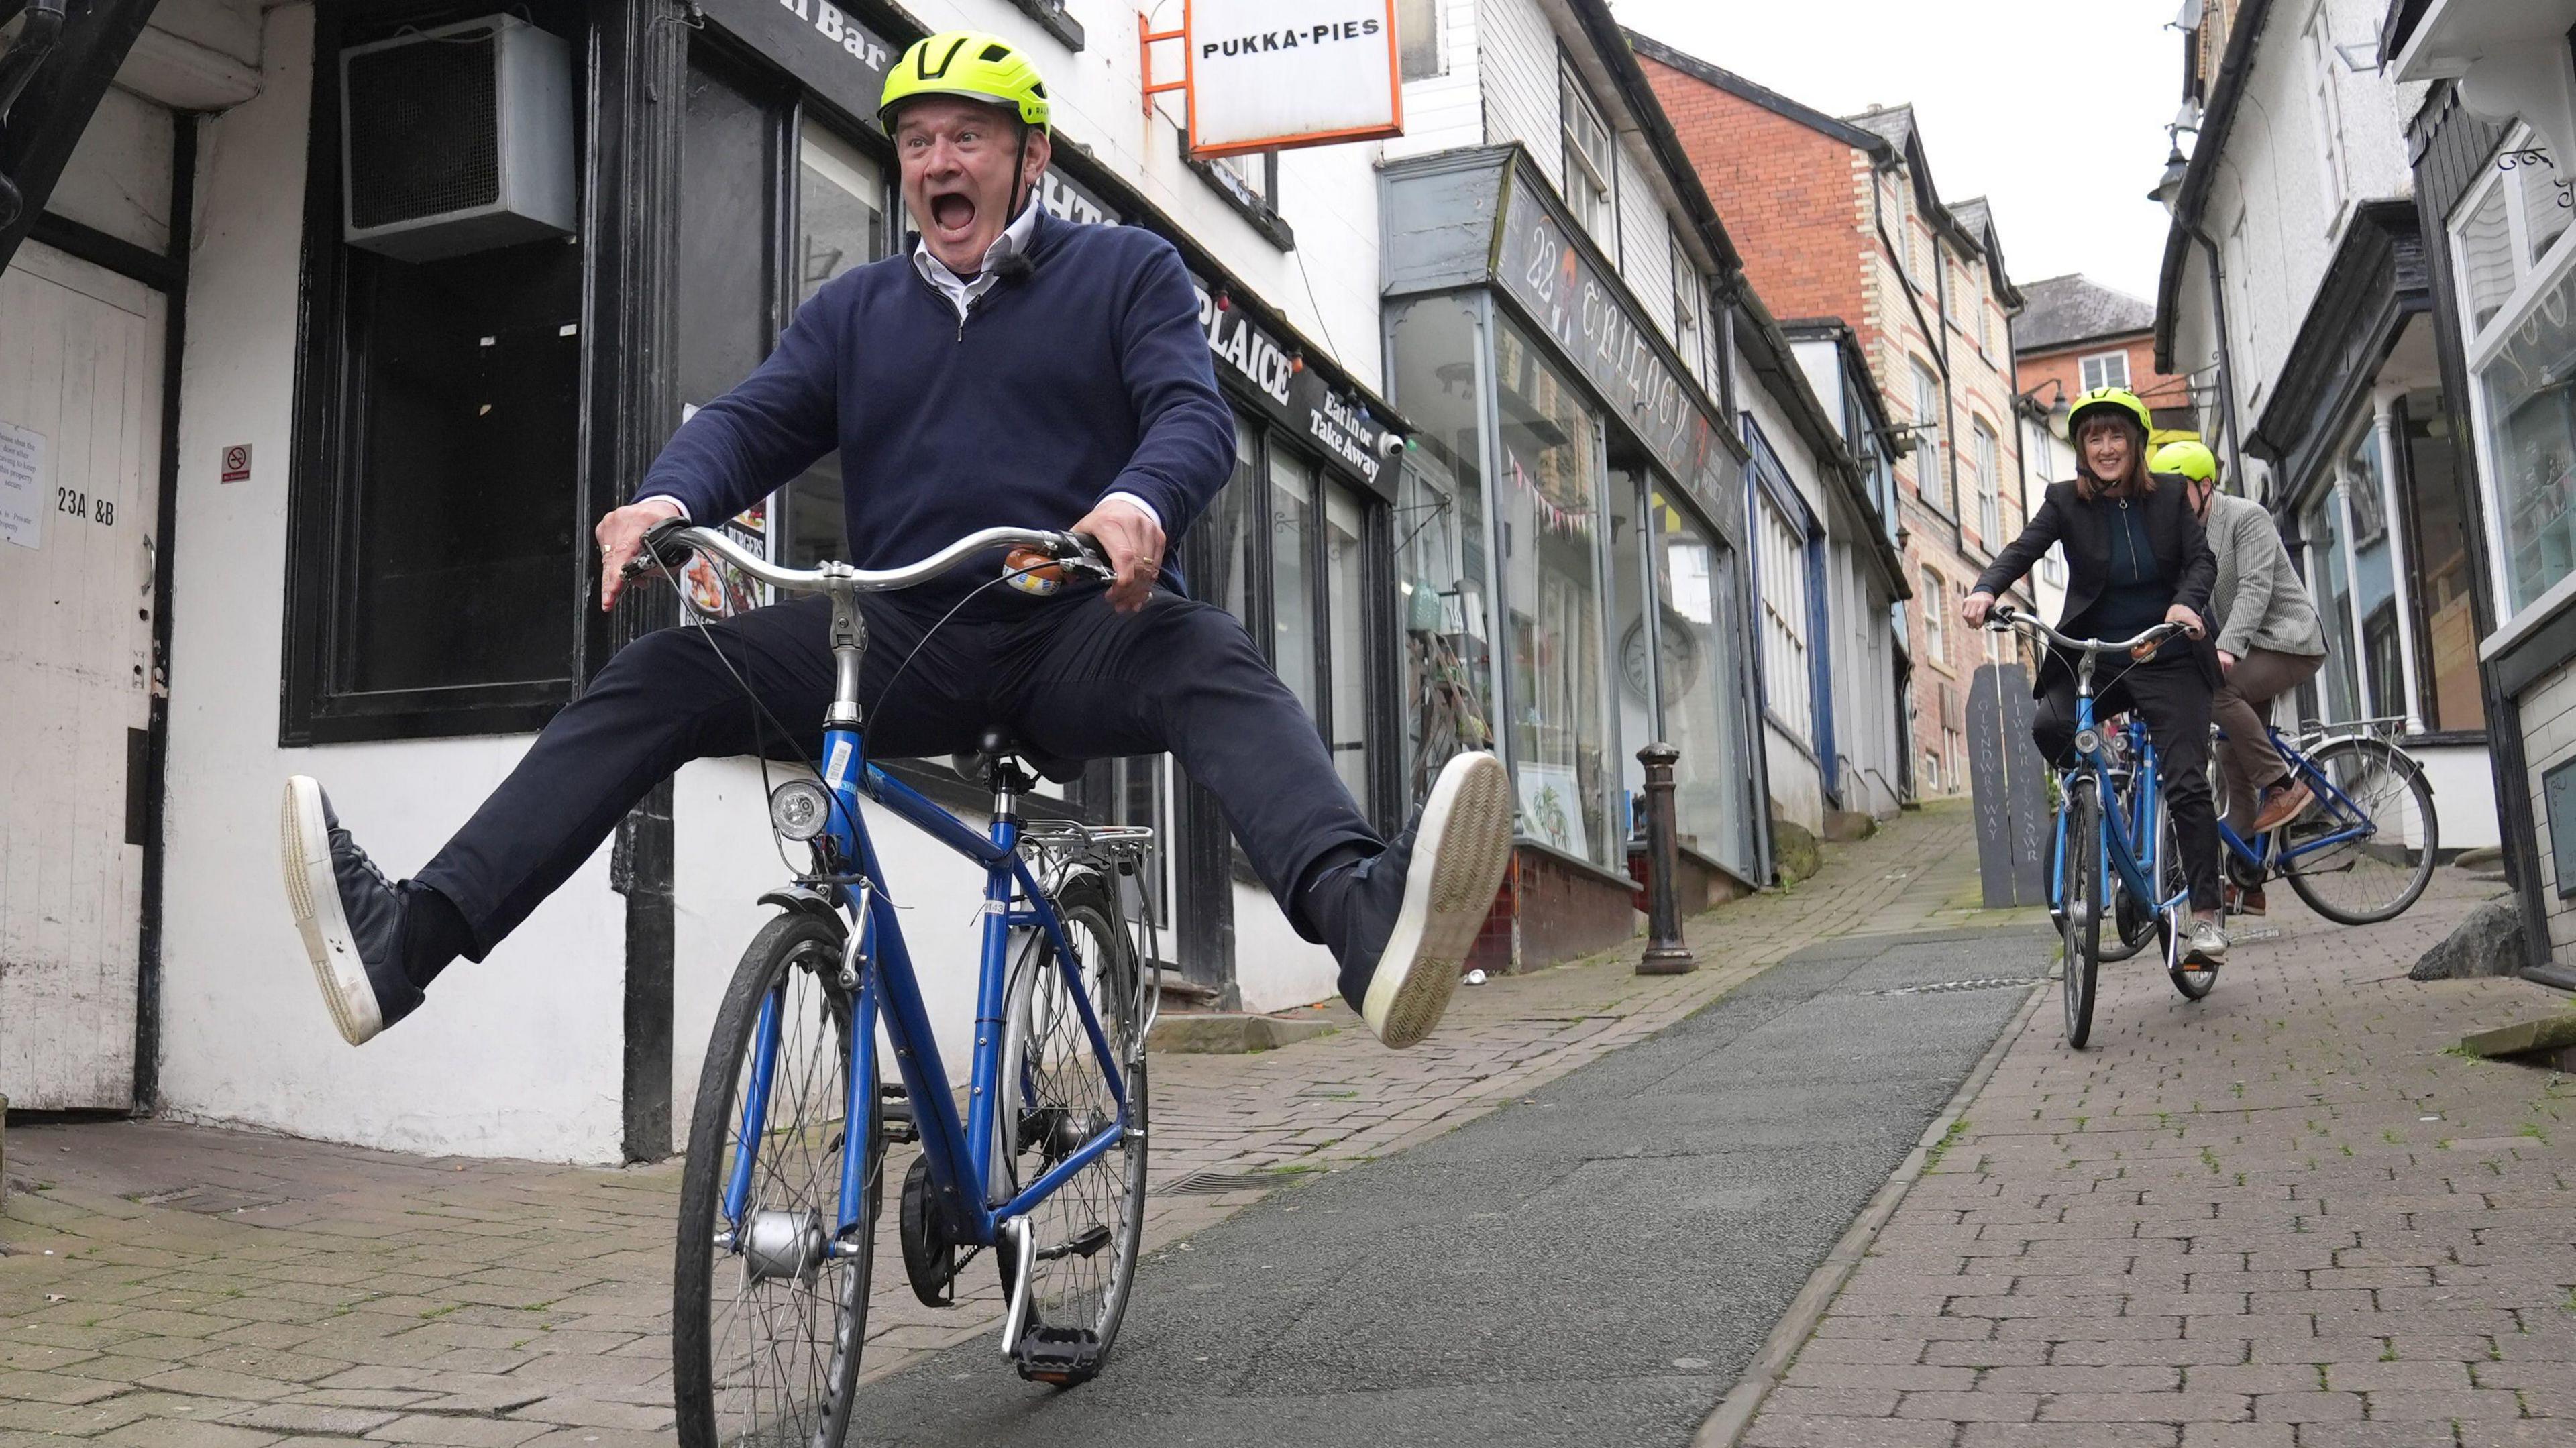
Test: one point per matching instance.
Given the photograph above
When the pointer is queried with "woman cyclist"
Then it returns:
(2270, 641)
(2135, 557)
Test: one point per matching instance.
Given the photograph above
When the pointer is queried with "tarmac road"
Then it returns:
(1594, 1265)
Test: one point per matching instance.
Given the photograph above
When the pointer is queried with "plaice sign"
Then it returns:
(1271, 74)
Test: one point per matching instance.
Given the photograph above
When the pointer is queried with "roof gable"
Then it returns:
(2060, 312)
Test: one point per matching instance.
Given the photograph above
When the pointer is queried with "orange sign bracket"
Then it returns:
(1146, 37)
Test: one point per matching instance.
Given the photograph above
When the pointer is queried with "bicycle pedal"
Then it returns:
(1062, 1356)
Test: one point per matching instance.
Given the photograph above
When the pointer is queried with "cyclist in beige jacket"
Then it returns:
(2270, 641)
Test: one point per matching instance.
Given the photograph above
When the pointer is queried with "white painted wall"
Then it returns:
(118, 178)
(517, 1056)
(2274, 177)
(1445, 110)
(1517, 70)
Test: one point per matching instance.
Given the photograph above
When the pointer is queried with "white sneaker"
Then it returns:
(1451, 863)
(349, 914)
(2208, 944)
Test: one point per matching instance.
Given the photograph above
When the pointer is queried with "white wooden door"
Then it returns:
(80, 409)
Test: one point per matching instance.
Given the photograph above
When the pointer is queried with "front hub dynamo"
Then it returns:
(782, 1244)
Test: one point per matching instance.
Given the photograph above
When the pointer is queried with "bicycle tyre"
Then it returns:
(2355, 883)
(1052, 1099)
(2173, 933)
(2081, 921)
(797, 955)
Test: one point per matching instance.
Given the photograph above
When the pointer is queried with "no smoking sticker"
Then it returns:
(237, 463)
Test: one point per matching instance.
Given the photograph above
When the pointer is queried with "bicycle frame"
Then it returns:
(2118, 843)
(2355, 822)
(877, 967)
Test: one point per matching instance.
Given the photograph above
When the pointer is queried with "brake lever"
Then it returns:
(659, 550)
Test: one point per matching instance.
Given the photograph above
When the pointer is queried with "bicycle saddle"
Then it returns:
(997, 747)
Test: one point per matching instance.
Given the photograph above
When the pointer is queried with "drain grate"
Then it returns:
(1944, 987)
(1217, 1183)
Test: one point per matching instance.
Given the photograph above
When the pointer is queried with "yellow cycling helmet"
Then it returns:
(2186, 457)
(971, 63)
(2118, 398)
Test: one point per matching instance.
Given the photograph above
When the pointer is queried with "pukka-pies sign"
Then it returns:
(1271, 74)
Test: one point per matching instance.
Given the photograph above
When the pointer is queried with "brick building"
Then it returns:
(1839, 218)
(2075, 334)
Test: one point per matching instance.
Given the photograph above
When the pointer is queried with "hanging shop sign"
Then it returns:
(819, 43)
(1271, 74)
(1276, 381)
(1592, 322)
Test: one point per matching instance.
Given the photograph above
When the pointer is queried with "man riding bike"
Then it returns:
(1013, 369)
(2270, 641)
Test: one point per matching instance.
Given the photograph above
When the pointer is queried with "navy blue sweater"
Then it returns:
(1085, 375)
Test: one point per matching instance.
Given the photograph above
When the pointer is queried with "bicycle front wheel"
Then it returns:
(2366, 856)
(1055, 1098)
(769, 1302)
(2081, 921)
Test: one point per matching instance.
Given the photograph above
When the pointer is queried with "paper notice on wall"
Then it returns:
(22, 466)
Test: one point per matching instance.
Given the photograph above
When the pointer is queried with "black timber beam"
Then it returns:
(51, 113)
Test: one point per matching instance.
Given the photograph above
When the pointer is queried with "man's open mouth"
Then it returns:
(953, 211)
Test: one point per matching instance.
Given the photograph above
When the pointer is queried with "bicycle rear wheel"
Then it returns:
(1054, 1098)
(767, 1317)
(2366, 857)
(2132, 924)
(2080, 922)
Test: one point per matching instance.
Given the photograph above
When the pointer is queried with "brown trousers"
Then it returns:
(2243, 706)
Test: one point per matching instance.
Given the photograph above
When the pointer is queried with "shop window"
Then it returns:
(2446, 629)
(840, 224)
(2509, 246)
(1442, 582)
(2374, 574)
(1346, 595)
(2109, 369)
(1292, 575)
(2329, 580)
(1699, 683)
(1550, 494)
(1417, 39)
(436, 570)
(1590, 163)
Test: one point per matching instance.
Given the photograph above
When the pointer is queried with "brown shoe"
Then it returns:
(2243, 901)
(2282, 805)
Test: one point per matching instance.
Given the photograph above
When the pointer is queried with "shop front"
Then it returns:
(2492, 147)
(1569, 552)
(435, 430)
(2368, 497)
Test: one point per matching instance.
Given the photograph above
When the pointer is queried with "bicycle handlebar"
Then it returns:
(671, 542)
(2004, 616)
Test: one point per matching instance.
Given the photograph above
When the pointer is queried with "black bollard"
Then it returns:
(1666, 954)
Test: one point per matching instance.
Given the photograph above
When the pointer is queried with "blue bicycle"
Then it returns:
(783, 1183)
(2111, 828)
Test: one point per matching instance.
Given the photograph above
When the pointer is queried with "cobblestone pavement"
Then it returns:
(2282, 1218)
(187, 1286)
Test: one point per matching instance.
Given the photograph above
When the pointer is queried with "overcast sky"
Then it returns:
(2054, 110)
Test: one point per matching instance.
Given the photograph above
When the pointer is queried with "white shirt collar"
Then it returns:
(961, 292)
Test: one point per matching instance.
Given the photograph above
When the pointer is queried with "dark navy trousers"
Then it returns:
(1071, 678)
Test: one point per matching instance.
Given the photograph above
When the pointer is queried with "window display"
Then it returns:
(2529, 392)
(1550, 495)
(1441, 541)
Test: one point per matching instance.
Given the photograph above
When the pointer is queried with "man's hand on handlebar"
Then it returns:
(621, 540)
(1135, 547)
(1974, 607)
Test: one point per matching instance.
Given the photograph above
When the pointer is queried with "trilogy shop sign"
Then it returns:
(1541, 267)
(1296, 398)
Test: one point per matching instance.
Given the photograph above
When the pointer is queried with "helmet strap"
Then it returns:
(1019, 163)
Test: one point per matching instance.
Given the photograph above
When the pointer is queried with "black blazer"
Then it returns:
(2173, 530)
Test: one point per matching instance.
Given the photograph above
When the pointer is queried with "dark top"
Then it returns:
(2174, 541)
(1084, 374)
(2137, 595)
